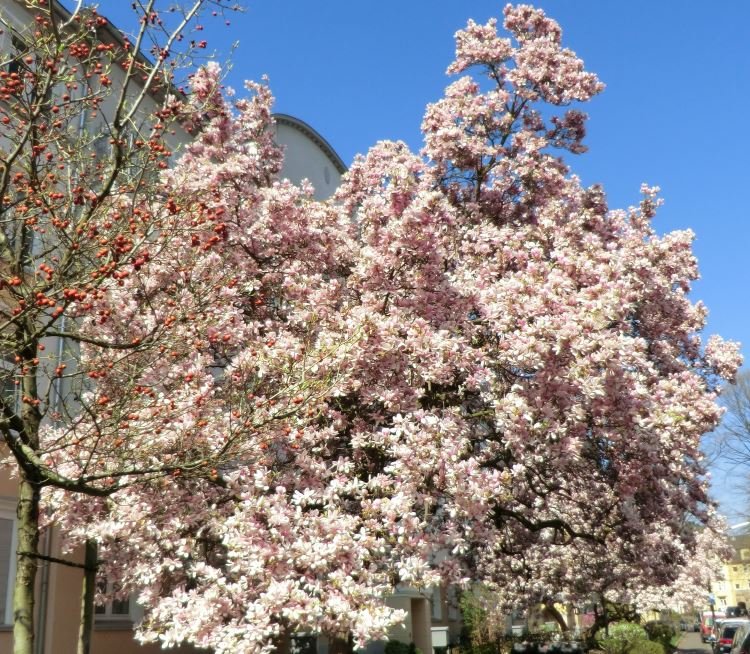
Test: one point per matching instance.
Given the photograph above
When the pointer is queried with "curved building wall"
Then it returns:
(307, 155)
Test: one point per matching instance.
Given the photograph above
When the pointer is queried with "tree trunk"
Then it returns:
(26, 566)
(605, 615)
(87, 598)
(552, 611)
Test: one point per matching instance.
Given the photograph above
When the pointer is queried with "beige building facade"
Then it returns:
(733, 587)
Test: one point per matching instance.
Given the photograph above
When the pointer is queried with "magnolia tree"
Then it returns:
(693, 581)
(506, 379)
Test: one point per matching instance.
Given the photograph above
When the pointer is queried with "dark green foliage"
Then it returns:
(623, 638)
(660, 632)
(613, 612)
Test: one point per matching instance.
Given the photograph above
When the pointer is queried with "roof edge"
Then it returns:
(314, 136)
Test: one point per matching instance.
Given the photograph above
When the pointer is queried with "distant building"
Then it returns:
(734, 585)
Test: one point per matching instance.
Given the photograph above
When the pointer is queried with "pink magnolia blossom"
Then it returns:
(464, 367)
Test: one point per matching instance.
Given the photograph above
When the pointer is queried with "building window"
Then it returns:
(121, 610)
(453, 610)
(436, 600)
(7, 558)
(8, 388)
(16, 63)
(736, 585)
(118, 609)
(16, 231)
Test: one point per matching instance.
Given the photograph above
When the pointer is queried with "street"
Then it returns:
(691, 643)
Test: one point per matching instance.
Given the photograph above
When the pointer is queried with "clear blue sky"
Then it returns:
(674, 114)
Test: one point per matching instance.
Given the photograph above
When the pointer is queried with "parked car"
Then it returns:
(741, 639)
(707, 624)
(690, 625)
(723, 634)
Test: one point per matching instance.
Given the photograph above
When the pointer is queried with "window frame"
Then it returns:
(8, 512)
(107, 619)
(436, 604)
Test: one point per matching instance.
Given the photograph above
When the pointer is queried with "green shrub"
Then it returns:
(661, 633)
(648, 647)
(622, 638)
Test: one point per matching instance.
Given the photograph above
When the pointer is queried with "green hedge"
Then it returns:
(622, 637)
(632, 638)
(661, 633)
